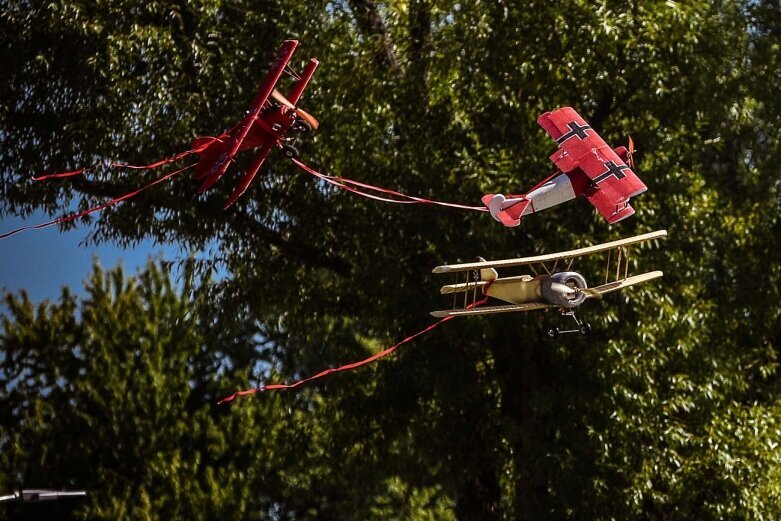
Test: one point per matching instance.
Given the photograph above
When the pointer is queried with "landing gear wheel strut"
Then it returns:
(290, 151)
(581, 326)
(301, 126)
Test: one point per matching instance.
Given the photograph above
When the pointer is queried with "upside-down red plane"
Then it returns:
(587, 166)
(264, 126)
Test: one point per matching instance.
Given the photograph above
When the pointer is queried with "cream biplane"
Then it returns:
(552, 284)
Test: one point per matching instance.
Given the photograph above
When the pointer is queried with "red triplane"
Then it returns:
(264, 126)
(587, 166)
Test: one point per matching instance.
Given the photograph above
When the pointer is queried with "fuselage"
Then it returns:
(559, 189)
(554, 192)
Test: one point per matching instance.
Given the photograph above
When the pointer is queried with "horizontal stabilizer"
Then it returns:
(506, 210)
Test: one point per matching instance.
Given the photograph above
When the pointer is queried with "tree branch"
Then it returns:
(420, 41)
(417, 73)
(371, 25)
(242, 222)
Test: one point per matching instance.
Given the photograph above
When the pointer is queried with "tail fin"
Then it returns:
(508, 211)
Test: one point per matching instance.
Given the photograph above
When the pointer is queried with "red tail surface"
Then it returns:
(507, 210)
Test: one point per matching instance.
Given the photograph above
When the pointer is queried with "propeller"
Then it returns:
(591, 293)
(631, 153)
(306, 116)
(570, 292)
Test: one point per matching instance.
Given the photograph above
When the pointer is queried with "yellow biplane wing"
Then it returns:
(486, 310)
(564, 255)
(625, 283)
(528, 292)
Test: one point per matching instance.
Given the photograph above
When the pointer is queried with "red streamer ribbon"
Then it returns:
(353, 365)
(203, 143)
(349, 185)
(98, 208)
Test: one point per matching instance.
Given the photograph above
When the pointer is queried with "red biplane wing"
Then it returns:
(249, 174)
(580, 148)
(214, 162)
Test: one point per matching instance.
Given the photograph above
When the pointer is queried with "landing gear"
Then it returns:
(581, 326)
(301, 126)
(552, 333)
(585, 329)
(290, 151)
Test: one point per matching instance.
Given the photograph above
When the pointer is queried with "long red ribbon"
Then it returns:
(349, 184)
(204, 143)
(340, 182)
(353, 365)
(98, 208)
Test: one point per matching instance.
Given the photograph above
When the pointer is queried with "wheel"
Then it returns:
(585, 328)
(553, 333)
(301, 126)
(290, 151)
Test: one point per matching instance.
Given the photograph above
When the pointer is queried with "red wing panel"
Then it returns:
(605, 204)
(581, 147)
(206, 161)
(284, 54)
(209, 149)
(220, 165)
(603, 166)
(249, 175)
(557, 122)
(612, 204)
(574, 136)
(564, 161)
(306, 75)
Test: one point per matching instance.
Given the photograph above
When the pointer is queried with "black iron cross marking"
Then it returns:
(612, 169)
(574, 130)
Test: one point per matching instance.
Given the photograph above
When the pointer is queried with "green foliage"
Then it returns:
(115, 393)
(669, 411)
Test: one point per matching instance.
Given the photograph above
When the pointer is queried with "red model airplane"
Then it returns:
(264, 126)
(587, 166)
(270, 116)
